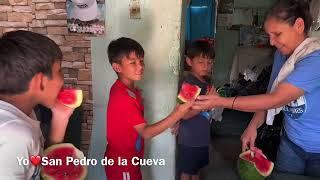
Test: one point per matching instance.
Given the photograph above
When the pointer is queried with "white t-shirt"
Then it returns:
(20, 137)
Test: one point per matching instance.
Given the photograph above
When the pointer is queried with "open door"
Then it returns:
(200, 19)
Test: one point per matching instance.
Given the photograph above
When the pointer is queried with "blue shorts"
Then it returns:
(293, 159)
(192, 159)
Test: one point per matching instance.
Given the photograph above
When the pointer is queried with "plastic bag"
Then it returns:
(268, 137)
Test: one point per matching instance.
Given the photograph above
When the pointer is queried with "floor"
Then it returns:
(223, 157)
(226, 146)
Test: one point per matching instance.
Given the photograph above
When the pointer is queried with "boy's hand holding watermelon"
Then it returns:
(67, 101)
(182, 109)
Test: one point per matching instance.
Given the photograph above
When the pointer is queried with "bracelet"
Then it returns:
(233, 101)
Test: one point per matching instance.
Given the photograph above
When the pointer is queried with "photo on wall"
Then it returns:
(86, 16)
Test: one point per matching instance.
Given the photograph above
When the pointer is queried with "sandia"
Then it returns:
(70, 97)
(188, 92)
(253, 165)
(63, 171)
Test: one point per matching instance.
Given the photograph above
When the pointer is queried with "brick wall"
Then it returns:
(49, 17)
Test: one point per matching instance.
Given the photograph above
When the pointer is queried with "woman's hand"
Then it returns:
(248, 138)
(212, 91)
(207, 102)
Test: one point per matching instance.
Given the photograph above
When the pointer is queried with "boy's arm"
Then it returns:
(149, 131)
(190, 114)
(175, 128)
(59, 122)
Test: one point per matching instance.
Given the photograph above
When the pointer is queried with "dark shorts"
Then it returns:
(192, 159)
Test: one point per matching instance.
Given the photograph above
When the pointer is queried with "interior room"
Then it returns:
(242, 67)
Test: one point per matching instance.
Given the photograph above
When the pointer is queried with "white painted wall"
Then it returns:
(158, 31)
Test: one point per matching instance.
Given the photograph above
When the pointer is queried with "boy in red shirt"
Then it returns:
(126, 126)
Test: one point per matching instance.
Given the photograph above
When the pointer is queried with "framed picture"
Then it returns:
(86, 16)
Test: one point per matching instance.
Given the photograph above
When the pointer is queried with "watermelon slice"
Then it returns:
(188, 92)
(248, 156)
(253, 164)
(63, 171)
(70, 97)
(262, 164)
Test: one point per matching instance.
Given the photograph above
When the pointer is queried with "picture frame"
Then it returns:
(86, 16)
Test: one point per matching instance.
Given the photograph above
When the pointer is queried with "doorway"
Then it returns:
(200, 24)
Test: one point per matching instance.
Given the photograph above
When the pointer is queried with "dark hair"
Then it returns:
(200, 48)
(289, 10)
(123, 46)
(23, 54)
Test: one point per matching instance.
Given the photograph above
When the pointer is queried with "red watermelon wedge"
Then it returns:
(70, 97)
(253, 165)
(64, 171)
(188, 92)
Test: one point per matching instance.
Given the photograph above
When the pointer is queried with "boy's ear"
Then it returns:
(116, 67)
(189, 61)
(43, 80)
(37, 82)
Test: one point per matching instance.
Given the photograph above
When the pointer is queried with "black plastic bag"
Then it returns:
(268, 137)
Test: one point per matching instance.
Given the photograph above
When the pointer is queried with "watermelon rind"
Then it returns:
(247, 171)
(179, 101)
(251, 158)
(79, 154)
(183, 100)
(79, 99)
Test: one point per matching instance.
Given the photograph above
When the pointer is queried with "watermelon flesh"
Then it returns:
(64, 171)
(70, 97)
(253, 164)
(262, 164)
(248, 156)
(188, 92)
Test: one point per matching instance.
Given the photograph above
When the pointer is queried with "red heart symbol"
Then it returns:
(35, 160)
